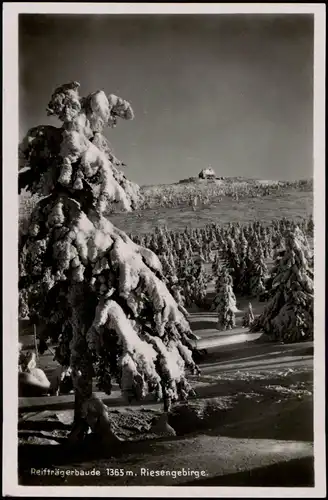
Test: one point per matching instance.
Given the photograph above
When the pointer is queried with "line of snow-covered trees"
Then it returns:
(243, 250)
(191, 194)
(185, 194)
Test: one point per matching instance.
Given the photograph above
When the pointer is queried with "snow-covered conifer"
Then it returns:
(216, 265)
(231, 260)
(100, 296)
(288, 315)
(258, 274)
(248, 318)
(225, 302)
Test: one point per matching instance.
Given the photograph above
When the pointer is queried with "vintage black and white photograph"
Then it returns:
(166, 250)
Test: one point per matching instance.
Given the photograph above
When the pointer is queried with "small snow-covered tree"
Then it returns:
(200, 282)
(268, 240)
(242, 246)
(248, 318)
(231, 260)
(194, 281)
(288, 315)
(225, 302)
(258, 274)
(168, 270)
(97, 294)
(216, 265)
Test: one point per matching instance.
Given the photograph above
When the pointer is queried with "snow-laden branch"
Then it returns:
(77, 156)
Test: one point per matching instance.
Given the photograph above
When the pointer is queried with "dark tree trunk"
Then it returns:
(82, 383)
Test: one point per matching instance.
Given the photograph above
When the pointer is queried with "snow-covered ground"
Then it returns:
(252, 413)
(252, 410)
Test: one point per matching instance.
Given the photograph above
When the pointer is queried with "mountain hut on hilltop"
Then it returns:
(207, 173)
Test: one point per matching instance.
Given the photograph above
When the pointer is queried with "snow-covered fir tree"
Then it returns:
(225, 302)
(94, 291)
(248, 318)
(169, 271)
(194, 280)
(216, 265)
(258, 274)
(231, 260)
(268, 240)
(288, 315)
(245, 273)
(242, 248)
